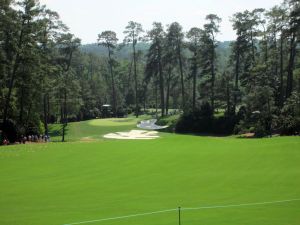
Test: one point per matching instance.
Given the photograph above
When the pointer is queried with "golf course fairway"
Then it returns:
(74, 182)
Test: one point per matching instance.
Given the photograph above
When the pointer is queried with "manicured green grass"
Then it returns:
(94, 129)
(61, 183)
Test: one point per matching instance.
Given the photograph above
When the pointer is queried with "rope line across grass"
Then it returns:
(185, 209)
(123, 217)
(241, 205)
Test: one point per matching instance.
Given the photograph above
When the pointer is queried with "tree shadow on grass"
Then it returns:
(238, 136)
(55, 132)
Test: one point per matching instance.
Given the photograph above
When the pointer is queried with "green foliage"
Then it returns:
(123, 52)
(288, 121)
(260, 130)
(169, 121)
(46, 76)
(202, 121)
(198, 121)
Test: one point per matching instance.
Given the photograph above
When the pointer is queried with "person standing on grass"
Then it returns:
(6, 141)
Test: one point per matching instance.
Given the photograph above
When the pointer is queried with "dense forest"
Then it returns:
(251, 84)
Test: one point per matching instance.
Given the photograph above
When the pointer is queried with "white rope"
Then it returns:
(123, 217)
(185, 209)
(241, 205)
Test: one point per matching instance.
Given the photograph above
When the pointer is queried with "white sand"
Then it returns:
(150, 125)
(133, 135)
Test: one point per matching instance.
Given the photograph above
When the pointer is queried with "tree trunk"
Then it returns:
(10, 88)
(281, 71)
(61, 111)
(21, 105)
(289, 85)
(45, 113)
(13, 73)
(161, 84)
(65, 111)
(65, 122)
(236, 86)
(135, 79)
(129, 83)
(112, 83)
(181, 76)
(274, 68)
(213, 79)
(266, 48)
(28, 113)
(156, 101)
(228, 97)
(252, 47)
(48, 108)
(194, 80)
(145, 98)
(168, 91)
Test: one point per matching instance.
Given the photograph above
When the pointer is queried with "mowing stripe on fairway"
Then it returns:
(195, 208)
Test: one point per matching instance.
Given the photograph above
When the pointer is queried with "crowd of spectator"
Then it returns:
(34, 138)
(23, 139)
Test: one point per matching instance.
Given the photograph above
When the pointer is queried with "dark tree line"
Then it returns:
(38, 74)
(46, 78)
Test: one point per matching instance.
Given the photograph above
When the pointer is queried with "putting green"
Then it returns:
(92, 130)
(64, 183)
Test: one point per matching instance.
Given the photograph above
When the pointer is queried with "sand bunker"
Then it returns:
(133, 135)
(150, 125)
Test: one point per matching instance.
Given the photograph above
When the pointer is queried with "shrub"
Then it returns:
(224, 125)
(121, 112)
(260, 131)
(202, 121)
(198, 121)
(35, 127)
(169, 121)
(10, 130)
(288, 122)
